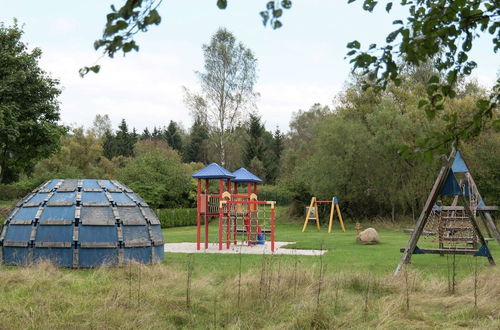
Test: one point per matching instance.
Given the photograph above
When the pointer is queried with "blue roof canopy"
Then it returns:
(458, 165)
(244, 175)
(213, 171)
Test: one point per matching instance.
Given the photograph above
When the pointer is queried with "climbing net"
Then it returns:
(247, 222)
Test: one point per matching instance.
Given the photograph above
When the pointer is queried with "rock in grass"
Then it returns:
(368, 236)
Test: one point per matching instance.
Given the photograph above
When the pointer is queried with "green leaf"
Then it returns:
(222, 4)
(277, 13)
(388, 7)
(434, 79)
(277, 24)
(354, 44)
(287, 4)
(270, 5)
(422, 103)
(265, 17)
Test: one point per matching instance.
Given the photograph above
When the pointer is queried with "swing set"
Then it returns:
(313, 214)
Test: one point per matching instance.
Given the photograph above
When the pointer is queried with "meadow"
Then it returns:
(351, 286)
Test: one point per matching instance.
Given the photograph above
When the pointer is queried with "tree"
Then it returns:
(226, 85)
(146, 135)
(158, 175)
(442, 31)
(29, 109)
(254, 146)
(196, 149)
(173, 136)
(101, 125)
(121, 143)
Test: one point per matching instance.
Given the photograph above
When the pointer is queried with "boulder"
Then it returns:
(368, 236)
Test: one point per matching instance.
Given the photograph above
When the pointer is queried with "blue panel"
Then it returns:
(97, 257)
(213, 171)
(26, 213)
(90, 184)
(132, 233)
(38, 198)
(98, 234)
(94, 197)
(244, 175)
(159, 253)
(450, 186)
(139, 254)
(58, 213)
(52, 184)
(58, 256)
(458, 165)
(63, 197)
(120, 198)
(157, 234)
(108, 185)
(48, 233)
(15, 255)
(18, 233)
(137, 198)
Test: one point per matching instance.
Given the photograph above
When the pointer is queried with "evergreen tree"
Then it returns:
(255, 147)
(196, 149)
(278, 145)
(146, 135)
(173, 136)
(156, 133)
(124, 140)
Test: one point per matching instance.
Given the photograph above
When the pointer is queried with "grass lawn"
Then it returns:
(351, 287)
(344, 254)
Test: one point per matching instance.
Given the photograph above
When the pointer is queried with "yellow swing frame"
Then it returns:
(314, 206)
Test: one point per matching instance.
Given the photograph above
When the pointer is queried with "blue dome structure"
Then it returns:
(81, 223)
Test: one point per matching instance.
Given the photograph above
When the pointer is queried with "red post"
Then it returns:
(235, 190)
(221, 187)
(272, 227)
(207, 210)
(198, 215)
(228, 185)
(255, 188)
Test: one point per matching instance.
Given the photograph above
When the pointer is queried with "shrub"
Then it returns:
(176, 217)
(279, 194)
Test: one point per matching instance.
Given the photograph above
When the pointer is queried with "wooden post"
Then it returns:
(422, 219)
(221, 188)
(207, 209)
(198, 215)
(332, 209)
(272, 226)
(340, 218)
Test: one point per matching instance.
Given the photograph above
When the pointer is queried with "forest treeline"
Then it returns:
(350, 149)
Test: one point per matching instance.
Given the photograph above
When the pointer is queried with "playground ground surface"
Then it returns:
(350, 286)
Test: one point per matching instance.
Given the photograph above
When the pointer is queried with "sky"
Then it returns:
(298, 65)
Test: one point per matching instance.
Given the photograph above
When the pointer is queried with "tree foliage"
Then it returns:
(227, 85)
(29, 110)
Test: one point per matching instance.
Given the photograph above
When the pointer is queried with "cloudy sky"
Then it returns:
(298, 65)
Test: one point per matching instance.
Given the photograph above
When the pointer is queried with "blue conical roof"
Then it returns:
(458, 165)
(244, 175)
(213, 171)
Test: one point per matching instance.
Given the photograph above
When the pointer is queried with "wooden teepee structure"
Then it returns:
(454, 225)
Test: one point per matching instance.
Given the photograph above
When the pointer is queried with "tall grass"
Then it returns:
(43, 296)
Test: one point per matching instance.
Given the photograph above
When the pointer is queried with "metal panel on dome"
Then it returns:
(131, 216)
(94, 198)
(15, 255)
(139, 254)
(25, 216)
(58, 215)
(18, 234)
(108, 185)
(97, 216)
(37, 199)
(54, 234)
(150, 216)
(91, 184)
(50, 185)
(62, 257)
(68, 185)
(62, 198)
(156, 235)
(121, 198)
(134, 236)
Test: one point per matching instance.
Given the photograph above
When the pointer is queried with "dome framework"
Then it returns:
(81, 223)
